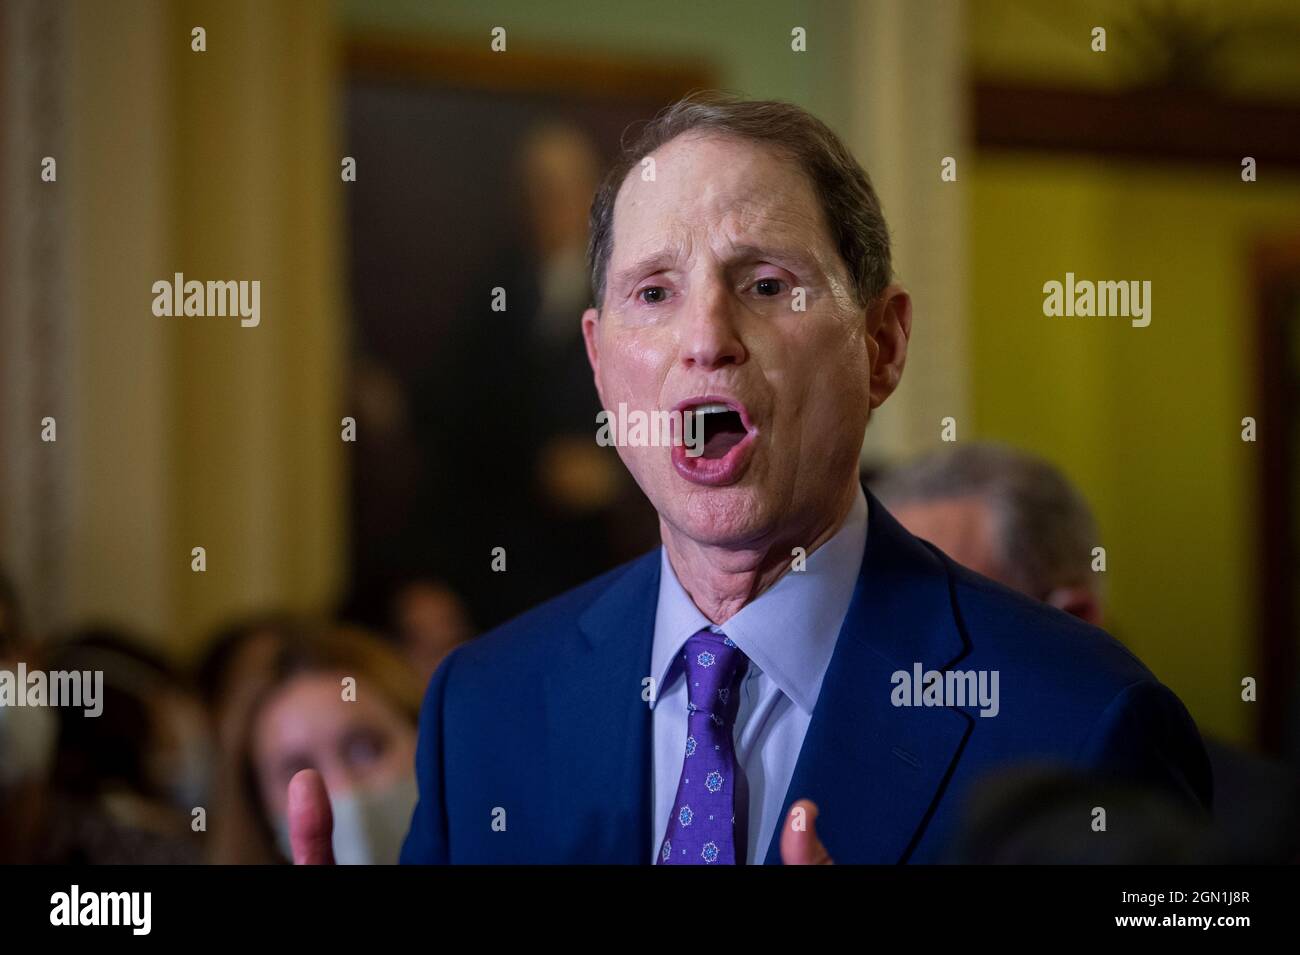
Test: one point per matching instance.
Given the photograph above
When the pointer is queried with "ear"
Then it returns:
(591, 338)
(889, 326)
(1077, 602)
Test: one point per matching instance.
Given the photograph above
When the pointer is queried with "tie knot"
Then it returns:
(714, 666)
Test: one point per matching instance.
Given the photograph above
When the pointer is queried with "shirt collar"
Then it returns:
(789, 632)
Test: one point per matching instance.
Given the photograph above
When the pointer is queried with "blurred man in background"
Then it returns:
(1018, 520)
(119, 787)
(28, 736)
(1009, 516)
(429, 621)
(516, 463)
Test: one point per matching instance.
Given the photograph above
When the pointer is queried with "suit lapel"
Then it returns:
(598, 727)
(876, 770)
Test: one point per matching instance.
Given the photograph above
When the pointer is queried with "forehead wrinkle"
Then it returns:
(749, 230)
(754, 201)
(653, 256)
(742, 234)
(745, 219)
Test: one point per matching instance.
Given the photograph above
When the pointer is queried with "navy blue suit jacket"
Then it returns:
(535, 742)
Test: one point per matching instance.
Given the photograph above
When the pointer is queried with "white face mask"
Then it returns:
(369, 824)
(27, 738)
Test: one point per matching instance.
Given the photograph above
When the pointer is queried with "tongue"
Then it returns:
(717, 444)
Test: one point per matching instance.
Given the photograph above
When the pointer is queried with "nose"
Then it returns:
(710, 338)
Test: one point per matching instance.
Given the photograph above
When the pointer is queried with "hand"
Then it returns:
(311, 823)
(799, 842)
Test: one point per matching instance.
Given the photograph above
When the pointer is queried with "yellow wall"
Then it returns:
(1146, 420)
(223, 165)
(115, 436)
(256, 428)
(1049, 43)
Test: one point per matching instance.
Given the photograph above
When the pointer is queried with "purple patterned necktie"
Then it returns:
(701, 830)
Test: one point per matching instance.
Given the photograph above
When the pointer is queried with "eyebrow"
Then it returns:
(662, 259)
(655, 262)
(796, 257)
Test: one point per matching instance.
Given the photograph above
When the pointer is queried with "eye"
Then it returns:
(652, 294)
(363, 747)
(768, 287)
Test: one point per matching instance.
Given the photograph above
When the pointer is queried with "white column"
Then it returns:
(907, 112)
(35, 311)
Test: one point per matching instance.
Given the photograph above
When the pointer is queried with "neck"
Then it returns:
(721, 579)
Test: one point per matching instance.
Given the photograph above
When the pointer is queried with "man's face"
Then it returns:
(961, 527)
(965, 528)
(698, 311)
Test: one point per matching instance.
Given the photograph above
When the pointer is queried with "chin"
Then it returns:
(722, 516)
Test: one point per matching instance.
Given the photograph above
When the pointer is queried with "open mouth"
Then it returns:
(719, 427)
(719, 441)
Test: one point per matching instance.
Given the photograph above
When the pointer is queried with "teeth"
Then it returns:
(709, 409)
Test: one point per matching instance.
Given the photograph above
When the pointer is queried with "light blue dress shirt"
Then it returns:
(788, 634)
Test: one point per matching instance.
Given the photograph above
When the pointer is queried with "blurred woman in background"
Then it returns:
(337, 700)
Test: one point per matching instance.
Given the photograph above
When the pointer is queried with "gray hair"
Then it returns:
(1045, 530)
(848, 202)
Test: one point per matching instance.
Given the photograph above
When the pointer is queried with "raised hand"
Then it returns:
(799, 842)
(311, 822)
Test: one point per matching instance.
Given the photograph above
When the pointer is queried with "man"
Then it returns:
(1018, 520)
(732, 696)
(1004, 514)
